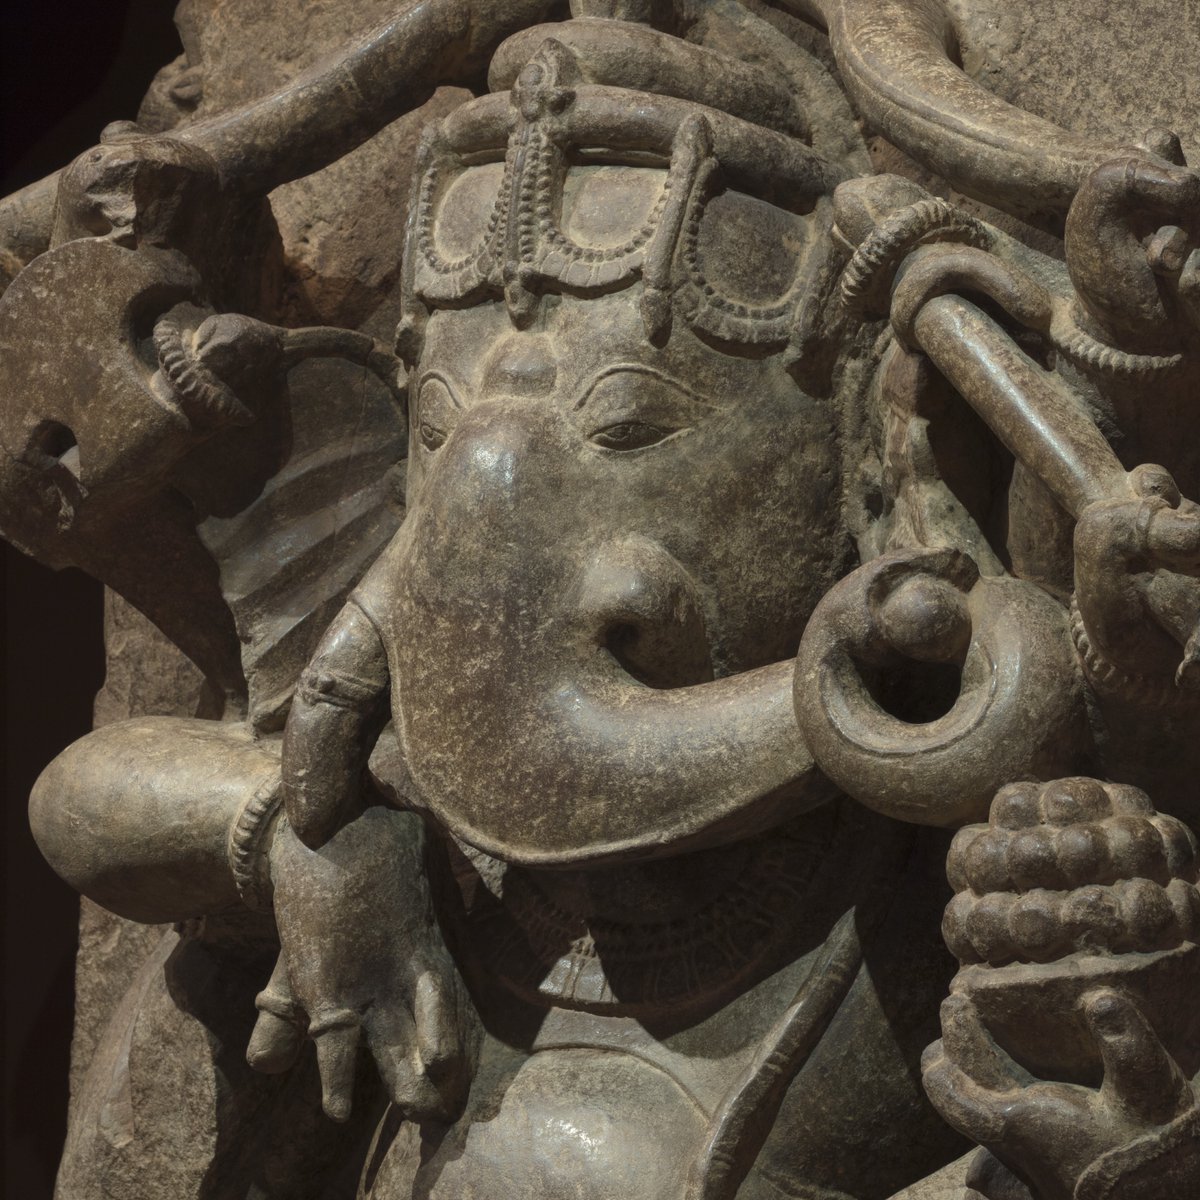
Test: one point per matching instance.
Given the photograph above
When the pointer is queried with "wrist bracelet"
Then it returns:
(250, 843)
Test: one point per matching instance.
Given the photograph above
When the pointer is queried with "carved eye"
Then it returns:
(630, 435)
(632, 407)
(431, 436)
(437, 411)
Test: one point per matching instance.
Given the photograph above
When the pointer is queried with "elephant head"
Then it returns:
(623, 503)
(627, 396)
(610, 553)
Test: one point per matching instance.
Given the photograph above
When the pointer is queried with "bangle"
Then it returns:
(249, 845)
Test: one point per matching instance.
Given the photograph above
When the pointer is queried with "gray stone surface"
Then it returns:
(606, 512)
(947, 1184)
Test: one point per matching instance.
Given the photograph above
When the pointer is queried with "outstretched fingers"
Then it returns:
(970, 1045)
(971, 1081)
(972, 1109)
(436, 1012)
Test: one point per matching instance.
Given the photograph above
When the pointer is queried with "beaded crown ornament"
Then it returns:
(607, 156)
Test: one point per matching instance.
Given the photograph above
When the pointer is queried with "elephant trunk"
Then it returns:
(553, 693)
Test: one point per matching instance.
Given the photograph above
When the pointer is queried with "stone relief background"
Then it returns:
(61, 63)
(146, 674)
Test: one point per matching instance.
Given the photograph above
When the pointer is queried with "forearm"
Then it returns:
(349, 96)
(159, 819)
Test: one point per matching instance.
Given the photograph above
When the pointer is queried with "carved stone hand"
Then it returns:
(1075, 923)
(1054, 1133)
(1136, 566)
(362, 957)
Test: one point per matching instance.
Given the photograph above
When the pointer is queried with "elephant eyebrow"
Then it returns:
(620, 369)
(447, 383)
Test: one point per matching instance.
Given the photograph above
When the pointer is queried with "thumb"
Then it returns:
(1141, 1079)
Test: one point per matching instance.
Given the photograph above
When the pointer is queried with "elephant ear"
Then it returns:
(289, 559)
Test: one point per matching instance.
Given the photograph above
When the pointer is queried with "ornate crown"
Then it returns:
(593, 164)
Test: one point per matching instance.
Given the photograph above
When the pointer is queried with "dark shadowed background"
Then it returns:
(66, 69)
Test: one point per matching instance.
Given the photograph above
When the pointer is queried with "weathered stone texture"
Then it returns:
(654, 634)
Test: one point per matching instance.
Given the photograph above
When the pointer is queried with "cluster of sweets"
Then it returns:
(1073, 866)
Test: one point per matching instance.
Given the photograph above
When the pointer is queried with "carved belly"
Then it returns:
(582, 1124)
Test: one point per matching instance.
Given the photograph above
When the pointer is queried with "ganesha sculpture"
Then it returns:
(668, 524)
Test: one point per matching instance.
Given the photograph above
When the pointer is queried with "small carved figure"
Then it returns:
(594, 673)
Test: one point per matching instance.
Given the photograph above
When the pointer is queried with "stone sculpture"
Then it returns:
(759, 447)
